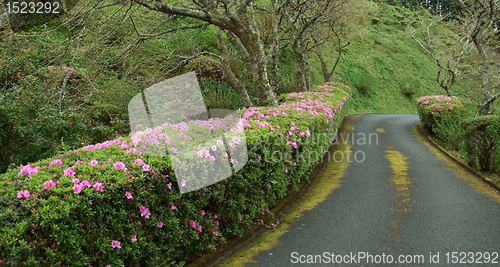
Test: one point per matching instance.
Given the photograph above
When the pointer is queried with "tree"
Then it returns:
(479, 21)
(474, 34)
(236, 17)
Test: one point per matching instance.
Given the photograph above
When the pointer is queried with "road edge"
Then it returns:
(420, 131)
(280, 210)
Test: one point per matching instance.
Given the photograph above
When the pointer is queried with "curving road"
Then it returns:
(437, 213)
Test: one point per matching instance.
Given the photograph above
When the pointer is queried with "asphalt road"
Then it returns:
(444, 214)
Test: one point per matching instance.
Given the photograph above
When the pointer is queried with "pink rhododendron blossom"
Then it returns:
(173, 207)
(99, 187)
(138, 161)
(86, 183)
(214, 148)
(145, 167)
(144, 212)
(215, 233)
(76, 181)
(160, 224)
(23, 194)
(203, 213)
(129, 196)
(49, 184)
(211, 158)
(120, 165)
(219, 142)
(192, 224)
(169, 185)
(231, 161)
(236, 140)
(174, 150)
(115, 244)
(57, 162)
(69, 171)
(28, 169)
(308, 133)
(134, 238)
(77, 188)
(183, 183)
(93, 162)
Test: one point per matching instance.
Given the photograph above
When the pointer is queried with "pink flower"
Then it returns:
(49, 184)
(23, 194)
(293, 123)
(128, 195)
(203, 213)
(231, 161)
(57, 162)
(99, 187)
(219, 142)
(145, 167)
(192, 224)
(138, 161)
(76, 181)
(77, 188)
(93, 162)
(160, 224)
(115, 244)
(85, 183)
(119, 165)
(169, 185)
(173, 207)
(286, 170)
(69, 171)
(174, 150)
(134, 238)
(214, 148)
(215, 233)
(236, 140)
(308, 133)
(144, 212)
(199, 228)
(28, 169)
(183, 183)
(211, 158)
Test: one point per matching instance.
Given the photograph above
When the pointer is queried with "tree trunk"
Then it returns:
(300, 65)
(228, 73)
(327, 75)
(249, 35)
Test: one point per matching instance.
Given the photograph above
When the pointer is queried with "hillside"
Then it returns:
(111, 65)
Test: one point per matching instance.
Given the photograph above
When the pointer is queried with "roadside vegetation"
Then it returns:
(66, 81)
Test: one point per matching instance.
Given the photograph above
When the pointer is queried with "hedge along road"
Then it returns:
(401, 204)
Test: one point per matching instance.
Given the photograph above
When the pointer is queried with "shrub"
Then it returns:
(408, 86)
(38, 110)
(482, 140)
(109, 204)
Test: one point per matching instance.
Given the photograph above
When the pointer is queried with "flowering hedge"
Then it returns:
(431, 109)
(111, 205)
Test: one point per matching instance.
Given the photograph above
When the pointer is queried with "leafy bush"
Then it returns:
(109, 204)
(408, 86)
(482, 140)
(38, 110)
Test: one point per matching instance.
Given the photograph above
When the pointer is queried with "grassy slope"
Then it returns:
(384, 56)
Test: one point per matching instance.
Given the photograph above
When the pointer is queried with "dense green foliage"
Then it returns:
(40, 113)
(454, 126)
(107, 204)
(482, 142)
